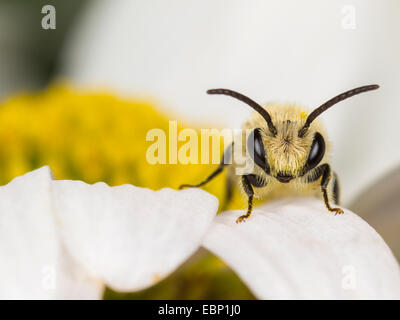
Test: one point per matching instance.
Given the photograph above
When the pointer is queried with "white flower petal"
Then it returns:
(33, 262)
(294, 248)
(65, 239)
(128, 236)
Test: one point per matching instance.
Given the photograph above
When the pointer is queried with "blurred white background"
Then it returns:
(303, 51)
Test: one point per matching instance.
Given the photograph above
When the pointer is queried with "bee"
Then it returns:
(290, 151)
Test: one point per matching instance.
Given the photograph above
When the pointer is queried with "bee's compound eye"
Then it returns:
(256, 149)
(317, 151)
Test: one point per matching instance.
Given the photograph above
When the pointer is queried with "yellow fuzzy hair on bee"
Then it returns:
(288, 149)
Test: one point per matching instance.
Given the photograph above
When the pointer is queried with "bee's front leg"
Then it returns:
(326, 172)
(248, 182)
(247, 187)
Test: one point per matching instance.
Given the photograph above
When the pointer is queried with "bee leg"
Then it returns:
(326, 177)
(250, 193)
(336, 189)
(224, 162)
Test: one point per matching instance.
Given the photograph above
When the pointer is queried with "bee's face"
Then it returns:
(286, 156)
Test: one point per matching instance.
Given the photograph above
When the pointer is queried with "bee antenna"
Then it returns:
(332, 102)
(264, 113)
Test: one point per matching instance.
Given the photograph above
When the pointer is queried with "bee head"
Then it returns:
(284, 144)
(287, 156)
